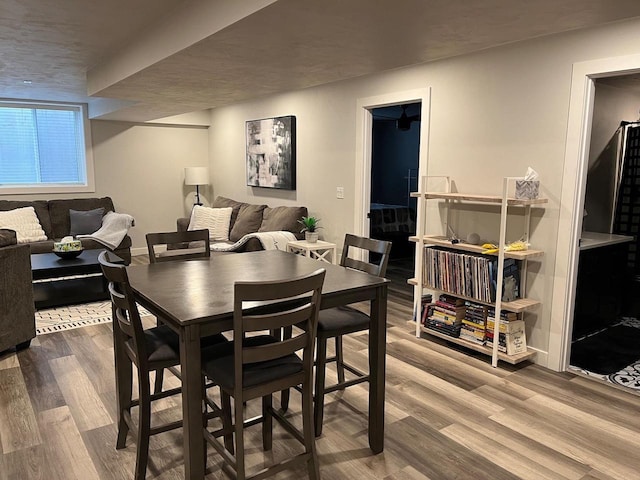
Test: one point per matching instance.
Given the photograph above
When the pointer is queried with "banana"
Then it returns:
(511, 247)
(516, 246)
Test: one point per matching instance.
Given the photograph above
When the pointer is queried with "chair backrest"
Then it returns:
(183, 245)
(375, 248)
(127, 324)
(289, 302)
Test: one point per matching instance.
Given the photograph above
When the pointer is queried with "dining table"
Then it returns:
(195, 299)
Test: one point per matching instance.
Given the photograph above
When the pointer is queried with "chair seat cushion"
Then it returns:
(341, 320)
(163, 344)
(218, 364)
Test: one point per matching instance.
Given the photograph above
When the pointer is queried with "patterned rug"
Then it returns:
(629, 376)
(75, 316)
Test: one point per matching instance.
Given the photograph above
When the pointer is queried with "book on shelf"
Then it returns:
(474, 323)
(469, 275)
(425, 301)
(450, 330)
(512, 337)
(510, 280)
(472, 334)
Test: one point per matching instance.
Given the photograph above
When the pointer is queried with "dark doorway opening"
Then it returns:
(394, 175)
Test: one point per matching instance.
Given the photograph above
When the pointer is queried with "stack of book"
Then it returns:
(512, 338)
(474, 323)
(445, 315)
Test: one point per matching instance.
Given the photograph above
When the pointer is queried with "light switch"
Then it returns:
(339, 192)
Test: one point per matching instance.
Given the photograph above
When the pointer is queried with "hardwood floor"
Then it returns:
(449, 415)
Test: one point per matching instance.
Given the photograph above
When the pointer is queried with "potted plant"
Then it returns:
(310, 225)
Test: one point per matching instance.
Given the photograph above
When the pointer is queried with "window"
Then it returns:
(43, 148)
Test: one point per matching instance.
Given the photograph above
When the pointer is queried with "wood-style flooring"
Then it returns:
(449, 415)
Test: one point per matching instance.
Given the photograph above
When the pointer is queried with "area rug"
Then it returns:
(75, 316)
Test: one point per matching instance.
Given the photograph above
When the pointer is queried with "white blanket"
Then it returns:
(115, 227)
(269, 241)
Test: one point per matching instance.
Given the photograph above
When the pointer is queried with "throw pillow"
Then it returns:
(283, 219)
(223, 202)
(25, 223)
(248, 221)
(85, 222)
(217, 220)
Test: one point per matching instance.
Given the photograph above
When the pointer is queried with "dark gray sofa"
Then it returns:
(250, 218)
(54, 219)
(17, 312)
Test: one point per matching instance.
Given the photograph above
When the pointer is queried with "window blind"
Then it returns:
(41, 145)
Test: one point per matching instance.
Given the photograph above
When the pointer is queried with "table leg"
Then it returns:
(377, 367)
(190, 365)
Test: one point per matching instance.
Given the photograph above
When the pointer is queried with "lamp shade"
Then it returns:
(196, 176)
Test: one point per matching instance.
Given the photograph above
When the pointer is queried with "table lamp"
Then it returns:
(196, 176)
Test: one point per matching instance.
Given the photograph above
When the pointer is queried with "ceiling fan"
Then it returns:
(403, 122)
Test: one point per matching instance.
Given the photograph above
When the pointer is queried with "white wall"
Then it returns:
(611, 106)
(141, 167)
(493, 114)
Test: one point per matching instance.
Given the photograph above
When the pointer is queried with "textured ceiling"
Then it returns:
(53, 43)
(285, 45)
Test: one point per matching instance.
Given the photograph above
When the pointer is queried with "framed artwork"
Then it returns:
(271, 153)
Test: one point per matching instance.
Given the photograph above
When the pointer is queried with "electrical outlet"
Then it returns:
(339, 192)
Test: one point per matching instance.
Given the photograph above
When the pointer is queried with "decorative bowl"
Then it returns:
(67, 248)
(68, 254)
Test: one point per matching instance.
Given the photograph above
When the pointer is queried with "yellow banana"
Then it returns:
(511, 247)
(516, 246)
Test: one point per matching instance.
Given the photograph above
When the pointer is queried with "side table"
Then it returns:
(323, 251)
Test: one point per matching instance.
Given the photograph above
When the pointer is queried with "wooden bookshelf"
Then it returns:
(512, 359)
(518, 306)
(455, 273)
(441, 241)
(479, 198)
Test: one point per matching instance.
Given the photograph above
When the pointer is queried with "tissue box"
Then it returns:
(67, 246)
(527, 189)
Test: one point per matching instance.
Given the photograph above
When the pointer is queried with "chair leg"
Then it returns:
(225, 401)
(239, 431)
(159, 380)
(267, 422)
(124, 388)
(284, 399)
(144, 427)
(321, 361)
(309, 431)
(339, 359)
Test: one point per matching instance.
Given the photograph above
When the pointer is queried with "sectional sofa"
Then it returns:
(55, 220)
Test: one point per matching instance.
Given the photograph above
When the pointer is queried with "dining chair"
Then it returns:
(256, 366)
(150, 350)
(340, 321)
(172, 246)
(183, 245)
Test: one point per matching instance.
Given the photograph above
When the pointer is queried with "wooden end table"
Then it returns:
(320, 250)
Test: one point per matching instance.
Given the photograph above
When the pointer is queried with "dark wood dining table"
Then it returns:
(195, 298)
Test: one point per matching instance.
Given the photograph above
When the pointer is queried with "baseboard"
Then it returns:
(139, 251)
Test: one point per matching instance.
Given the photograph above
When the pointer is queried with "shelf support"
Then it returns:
(501, 244)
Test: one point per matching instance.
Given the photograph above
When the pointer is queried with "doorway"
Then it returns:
(605, 338)
(395, 153)
(599, 327)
